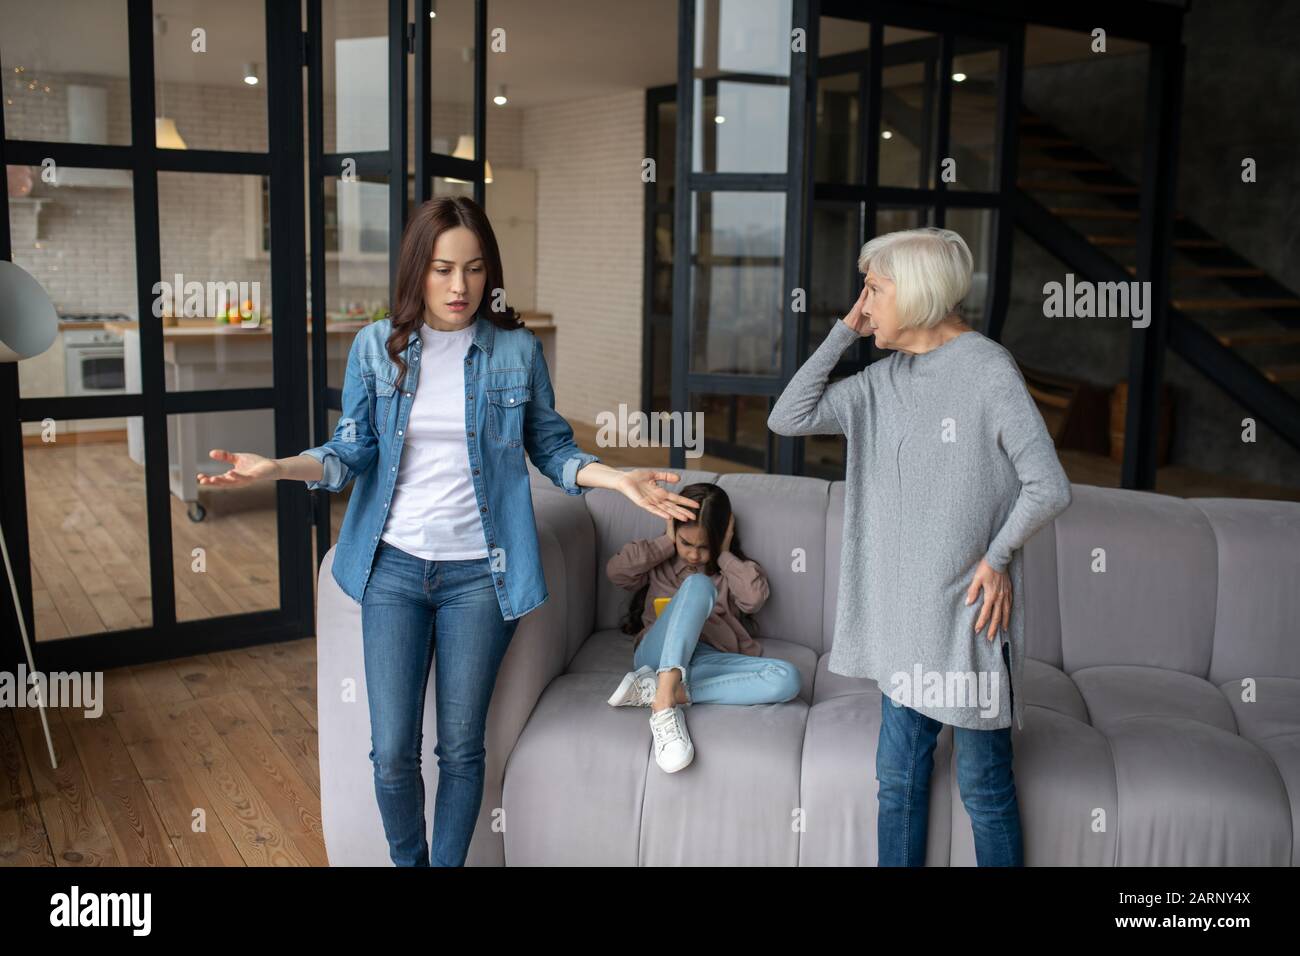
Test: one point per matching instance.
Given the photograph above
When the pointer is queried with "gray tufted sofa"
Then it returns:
(1162, 726)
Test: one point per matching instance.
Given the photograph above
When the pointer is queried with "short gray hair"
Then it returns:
(930, 268)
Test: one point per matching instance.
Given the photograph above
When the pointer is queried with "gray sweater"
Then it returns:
(948, 462)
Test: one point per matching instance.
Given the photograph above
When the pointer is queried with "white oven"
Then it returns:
(94, 360)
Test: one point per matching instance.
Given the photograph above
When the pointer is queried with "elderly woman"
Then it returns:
(950, 471)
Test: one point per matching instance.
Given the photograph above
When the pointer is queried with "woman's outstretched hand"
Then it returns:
(247, 468)
(996, 586)
(642, 488)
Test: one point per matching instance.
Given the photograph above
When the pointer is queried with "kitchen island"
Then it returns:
(199, 354)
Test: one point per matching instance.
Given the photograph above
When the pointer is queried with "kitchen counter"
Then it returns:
(199, 354)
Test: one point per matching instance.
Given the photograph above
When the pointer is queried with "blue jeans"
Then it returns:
(410, 606)
(715, 677)
(904, 760)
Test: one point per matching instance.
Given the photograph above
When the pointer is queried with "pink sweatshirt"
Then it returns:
(740, 584)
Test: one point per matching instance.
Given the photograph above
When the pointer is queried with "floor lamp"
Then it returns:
(28, 325)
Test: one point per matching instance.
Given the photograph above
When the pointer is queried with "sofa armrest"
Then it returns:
(544, 643)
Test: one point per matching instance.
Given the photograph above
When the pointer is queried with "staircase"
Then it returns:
(1227, 317)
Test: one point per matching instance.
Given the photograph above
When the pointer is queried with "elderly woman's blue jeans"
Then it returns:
(410, 608)
(904, 760)
(710, 676)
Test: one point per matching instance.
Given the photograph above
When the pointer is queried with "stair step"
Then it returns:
(1212, 271)
(1083, 212)
(1079, 165)
(1282, 373)
(1258, 337)
(1065, 186)
(1233, 305)
(1132, 241)
(1048, 398)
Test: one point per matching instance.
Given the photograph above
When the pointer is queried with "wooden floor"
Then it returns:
(226, 740)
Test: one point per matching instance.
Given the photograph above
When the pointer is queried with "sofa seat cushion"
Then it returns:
(582, 785)
(609, 651)
(829, 685)
(1117, 693)
(1194, 794)
(1274, 712)
(839, 795)
(1050, 688)
(1065, 788)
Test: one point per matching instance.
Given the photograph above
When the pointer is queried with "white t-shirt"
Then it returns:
(433, 513)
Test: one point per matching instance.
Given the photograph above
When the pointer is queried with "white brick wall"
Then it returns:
(590, 211)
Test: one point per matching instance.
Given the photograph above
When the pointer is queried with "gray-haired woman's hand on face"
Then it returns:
(856, 320)
(996, 611)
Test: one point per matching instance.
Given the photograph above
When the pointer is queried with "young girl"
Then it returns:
(699, 565)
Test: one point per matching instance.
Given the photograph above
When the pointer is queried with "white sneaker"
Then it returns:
(673, 747)
(637, 689)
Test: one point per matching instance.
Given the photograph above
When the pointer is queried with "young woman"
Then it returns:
(439, 547)
(700, 566)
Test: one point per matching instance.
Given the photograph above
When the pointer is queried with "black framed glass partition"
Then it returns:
(913, 127)
(895, 117)
(154, 173)
(209, 283)
(381, 140)
(739, 168)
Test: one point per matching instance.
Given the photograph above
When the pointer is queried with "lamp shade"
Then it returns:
(465, 150)
(28, 322)
(166, 135)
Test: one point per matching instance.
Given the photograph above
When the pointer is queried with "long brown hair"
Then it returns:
(713, 515)
(426, 224)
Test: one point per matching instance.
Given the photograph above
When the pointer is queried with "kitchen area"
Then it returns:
(73, 229)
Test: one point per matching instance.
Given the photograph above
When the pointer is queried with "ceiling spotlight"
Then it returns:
(959, 77)
(719, 119)
(500, 98)
(887, 134)
(250, 74)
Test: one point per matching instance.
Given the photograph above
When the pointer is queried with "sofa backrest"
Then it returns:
(1206, 586)
(1136, 579)
(782, 522)
(618, 521)
(1257, 598)
(775, 514)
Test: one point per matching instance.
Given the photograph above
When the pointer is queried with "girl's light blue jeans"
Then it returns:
(710, 676)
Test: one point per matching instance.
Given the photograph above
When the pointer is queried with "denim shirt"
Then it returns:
(509, 409)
